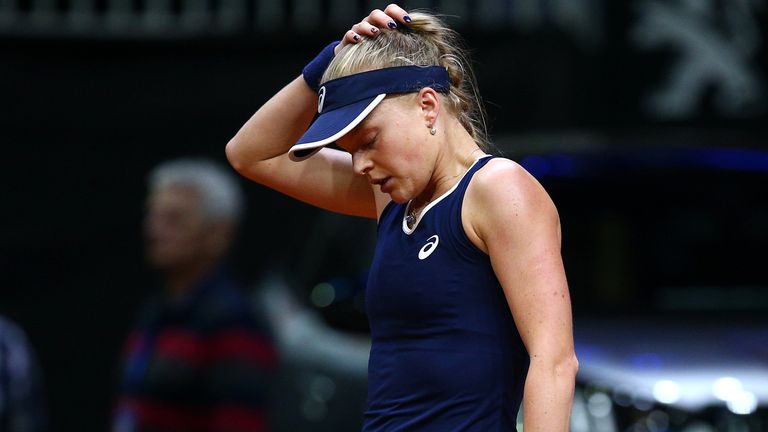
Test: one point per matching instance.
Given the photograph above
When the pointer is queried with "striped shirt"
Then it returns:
(203, 363)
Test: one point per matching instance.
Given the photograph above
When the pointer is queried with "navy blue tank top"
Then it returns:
(446, 355)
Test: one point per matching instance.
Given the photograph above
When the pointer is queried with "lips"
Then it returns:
(385, 183)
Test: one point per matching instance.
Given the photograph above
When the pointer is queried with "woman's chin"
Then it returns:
(398, 197)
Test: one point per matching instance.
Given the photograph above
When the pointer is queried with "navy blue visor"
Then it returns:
(345, 102)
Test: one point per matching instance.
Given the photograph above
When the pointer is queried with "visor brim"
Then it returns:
(332, 125)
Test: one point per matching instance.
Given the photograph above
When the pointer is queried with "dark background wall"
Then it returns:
(83, 119)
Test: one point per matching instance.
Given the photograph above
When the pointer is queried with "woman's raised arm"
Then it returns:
(259, 152)
(259, 149)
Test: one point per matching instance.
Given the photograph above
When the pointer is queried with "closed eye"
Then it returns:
(368, 144)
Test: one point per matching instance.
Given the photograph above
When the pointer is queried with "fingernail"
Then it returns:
(375, 30)
(356, 37)
(392, 25)
(407, 19)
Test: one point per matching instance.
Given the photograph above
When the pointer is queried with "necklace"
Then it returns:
(410, 219)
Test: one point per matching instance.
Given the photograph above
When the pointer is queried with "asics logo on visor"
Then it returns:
(320, 99)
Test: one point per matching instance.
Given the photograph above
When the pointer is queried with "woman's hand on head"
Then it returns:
(377, 20)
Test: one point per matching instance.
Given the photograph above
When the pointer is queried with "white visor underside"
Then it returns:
(317, 145)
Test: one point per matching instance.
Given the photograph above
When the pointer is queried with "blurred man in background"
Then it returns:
(197, 360)
(22, 408)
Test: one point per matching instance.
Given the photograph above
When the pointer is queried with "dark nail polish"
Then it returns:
(375, 30)
(392, 25)
(407, 19)
(356, 38)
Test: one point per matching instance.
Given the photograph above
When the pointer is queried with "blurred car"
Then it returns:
(671, 375)
(665, 251)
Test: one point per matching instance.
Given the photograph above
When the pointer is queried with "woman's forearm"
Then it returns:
(548, 395)
(274, 128)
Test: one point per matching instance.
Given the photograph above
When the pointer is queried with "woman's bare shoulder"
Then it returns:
(504, 197)
(504, 179)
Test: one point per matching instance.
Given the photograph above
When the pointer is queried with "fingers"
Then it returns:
(389, 18)
(397, 13)
(380, 19)
(365, 28)
(350, 37)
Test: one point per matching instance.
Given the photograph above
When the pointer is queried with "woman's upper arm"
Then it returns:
(519, 226)
(259, 152)
(324, 180)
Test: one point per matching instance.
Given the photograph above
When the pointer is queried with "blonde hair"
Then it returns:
(426, 41)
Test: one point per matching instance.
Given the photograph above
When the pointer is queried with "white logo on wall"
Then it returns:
(710, 56)
(430, 247)
(320, 99)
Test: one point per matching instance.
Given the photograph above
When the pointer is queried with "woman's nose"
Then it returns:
(361, 164)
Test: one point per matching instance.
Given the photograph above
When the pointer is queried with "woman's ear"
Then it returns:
(429, 101)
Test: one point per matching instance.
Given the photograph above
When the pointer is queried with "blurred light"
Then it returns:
(322, 388)
(557, 165)
(726, 388)
(732, 159)
(666, 391)
(538, 166)
(743, 403)
(649, 361)
(622, 396)
(678, 417)
(313, 409)
(579, 415)
(323, 295)
(641, 403)
(562, 165)
(699, 427)
(657, 421)
(599, 405)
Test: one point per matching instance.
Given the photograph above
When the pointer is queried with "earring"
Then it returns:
(433, 130)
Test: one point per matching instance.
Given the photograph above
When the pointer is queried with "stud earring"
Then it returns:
(433, 131)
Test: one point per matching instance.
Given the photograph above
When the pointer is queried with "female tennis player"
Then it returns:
(467, 297)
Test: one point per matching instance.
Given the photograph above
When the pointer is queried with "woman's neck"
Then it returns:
(455, 154)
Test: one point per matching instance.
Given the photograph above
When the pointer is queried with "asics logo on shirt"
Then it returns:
(430, 247)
